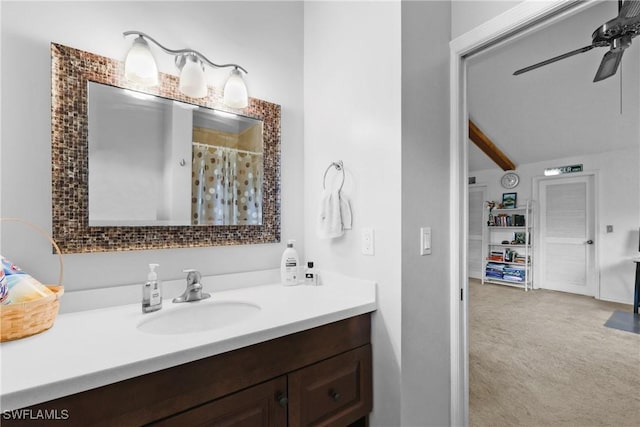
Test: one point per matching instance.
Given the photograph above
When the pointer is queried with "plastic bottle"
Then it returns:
(152, 292)
(310, 275)
(289, 265)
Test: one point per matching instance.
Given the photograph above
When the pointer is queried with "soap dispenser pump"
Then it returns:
(151, 292)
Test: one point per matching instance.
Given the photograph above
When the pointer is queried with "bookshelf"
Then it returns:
(508, 247)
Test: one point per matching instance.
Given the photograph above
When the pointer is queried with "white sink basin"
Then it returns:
(198, 317)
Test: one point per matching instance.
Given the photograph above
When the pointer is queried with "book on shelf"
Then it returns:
(505, 220)
(511, 273)
(515, 270)
(508, 255)
(518, 220)
(494, 266)
(494, 271)
(496, 255)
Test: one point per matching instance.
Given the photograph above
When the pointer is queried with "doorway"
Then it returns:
(566, 249)
(520, 20)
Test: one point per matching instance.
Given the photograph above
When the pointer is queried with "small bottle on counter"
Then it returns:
(151, 291)
(310, 275)
(289, 265)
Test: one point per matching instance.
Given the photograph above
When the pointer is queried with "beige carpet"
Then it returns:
(544, 358)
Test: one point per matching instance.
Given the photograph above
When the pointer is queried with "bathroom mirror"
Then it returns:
(81, 218)
(156, 161)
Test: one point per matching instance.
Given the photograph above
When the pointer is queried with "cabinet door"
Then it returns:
(335, 392)
(258, 406)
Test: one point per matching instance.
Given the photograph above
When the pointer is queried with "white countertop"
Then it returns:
(89, 349)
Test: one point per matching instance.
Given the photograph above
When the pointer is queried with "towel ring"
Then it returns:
(339, 167)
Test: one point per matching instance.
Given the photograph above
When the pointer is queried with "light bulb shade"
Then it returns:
(235, 91)
(139, 65)
(192, 81)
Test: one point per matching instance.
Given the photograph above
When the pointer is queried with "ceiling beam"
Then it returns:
(489, 148)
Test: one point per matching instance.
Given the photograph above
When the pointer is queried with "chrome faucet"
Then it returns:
(194, 288)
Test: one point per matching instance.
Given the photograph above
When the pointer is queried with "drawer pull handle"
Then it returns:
(282, 399)
(335, 395)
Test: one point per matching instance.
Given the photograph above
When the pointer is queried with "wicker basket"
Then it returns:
(29, 318)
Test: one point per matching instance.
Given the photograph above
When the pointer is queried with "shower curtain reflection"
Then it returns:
(227, 186)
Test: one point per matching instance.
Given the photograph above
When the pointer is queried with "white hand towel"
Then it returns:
(330, 219)
(345, 212)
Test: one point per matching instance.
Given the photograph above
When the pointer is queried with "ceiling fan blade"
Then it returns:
(557, 58)
(609, 65)
(629, 9)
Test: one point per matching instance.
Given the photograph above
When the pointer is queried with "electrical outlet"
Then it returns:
(609, 228)
(368, 241)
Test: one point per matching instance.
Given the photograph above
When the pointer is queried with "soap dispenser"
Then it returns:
(151, 291)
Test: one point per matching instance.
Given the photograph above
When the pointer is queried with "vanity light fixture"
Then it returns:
(140, 67)
(235, 91)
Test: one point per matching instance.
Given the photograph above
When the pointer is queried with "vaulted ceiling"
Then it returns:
(555, 111)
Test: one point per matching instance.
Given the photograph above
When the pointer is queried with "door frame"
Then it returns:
(524, 18)
(537, 180)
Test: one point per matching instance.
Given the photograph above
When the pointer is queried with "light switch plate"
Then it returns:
(425, 241)
(368, 241)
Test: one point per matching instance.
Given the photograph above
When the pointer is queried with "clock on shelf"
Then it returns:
(510, 180)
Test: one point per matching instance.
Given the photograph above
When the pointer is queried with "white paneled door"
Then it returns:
(477, 196)
(567, 235)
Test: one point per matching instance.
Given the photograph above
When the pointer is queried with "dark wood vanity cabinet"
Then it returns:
(318, 377)
(335, 392)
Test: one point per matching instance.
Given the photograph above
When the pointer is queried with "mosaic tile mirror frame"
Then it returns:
(71, 69)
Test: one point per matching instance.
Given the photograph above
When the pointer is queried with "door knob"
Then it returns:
(589, 242)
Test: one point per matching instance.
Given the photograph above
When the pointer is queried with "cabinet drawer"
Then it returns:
(334, 392)
(257, 406)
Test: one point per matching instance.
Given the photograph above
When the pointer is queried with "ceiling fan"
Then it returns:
(616, 34)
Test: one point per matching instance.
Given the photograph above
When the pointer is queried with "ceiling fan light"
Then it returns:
(192, 81)
(140, 66)
(235, 91)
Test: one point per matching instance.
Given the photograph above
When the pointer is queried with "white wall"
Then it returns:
(468, 14)
(425, 203)
(352, 113)
(618, 205)
(397, 180)
(264, 37)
